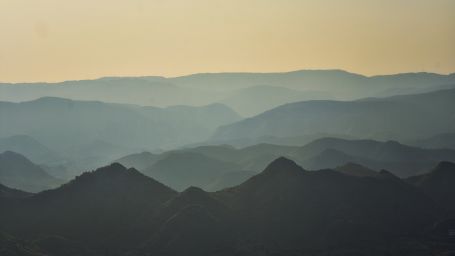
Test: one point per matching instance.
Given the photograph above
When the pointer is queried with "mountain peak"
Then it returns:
(193, 190)
(386, 175)
(282, 165)
(114, 168)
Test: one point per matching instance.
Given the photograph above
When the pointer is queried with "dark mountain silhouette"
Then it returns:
(439, 184)
(11, 246)
(57, 245)
(402, 160)
(354, 169)
(284, 210)
(193, 211)
(104, 201)
(288, 207)
(180, 170)
(404, 118)
(6, 192)
(18, 172)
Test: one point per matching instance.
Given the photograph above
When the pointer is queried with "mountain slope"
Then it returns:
(6, 192)
(203, 89)
(439, 184)
(257, 99)
(288, 207)
(107, 131)
(284, 210)
(18, 172)
(400, 117)
(111, 198)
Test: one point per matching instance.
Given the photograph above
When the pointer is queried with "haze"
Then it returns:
(51, 40)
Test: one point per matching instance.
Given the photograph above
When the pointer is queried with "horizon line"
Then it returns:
(224, 72)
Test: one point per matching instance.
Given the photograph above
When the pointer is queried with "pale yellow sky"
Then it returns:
(54, 40)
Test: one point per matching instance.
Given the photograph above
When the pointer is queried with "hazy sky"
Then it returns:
(52, 40)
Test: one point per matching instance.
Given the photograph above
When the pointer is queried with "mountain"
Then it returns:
(257, 99)
(358, 170)
(253, 158)
(180, 170)
(18, 172)
(30, 148)
(210, 167)
(6, 192)
(80, 130)
(284, 210)
(439, 184)
(402, 160)
(407, 117)
(204, 89)
(287, 209)
(111, 198)
(12, 246)
(150, 91)
(338, 82)
(193, 211)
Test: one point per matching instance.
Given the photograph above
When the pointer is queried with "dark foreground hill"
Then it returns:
(284, 210)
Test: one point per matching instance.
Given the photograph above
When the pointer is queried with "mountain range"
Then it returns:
(219, 166)
(88, 134)
(402, 118)
(283, 210)
(247, 93)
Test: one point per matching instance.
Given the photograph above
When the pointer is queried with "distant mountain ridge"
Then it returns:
(203, 89)
(217, 167)
(402, 118)
(91, 133)
(17, 172)
(29, 147)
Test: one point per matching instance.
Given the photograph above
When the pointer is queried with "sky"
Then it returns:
(55, 40)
